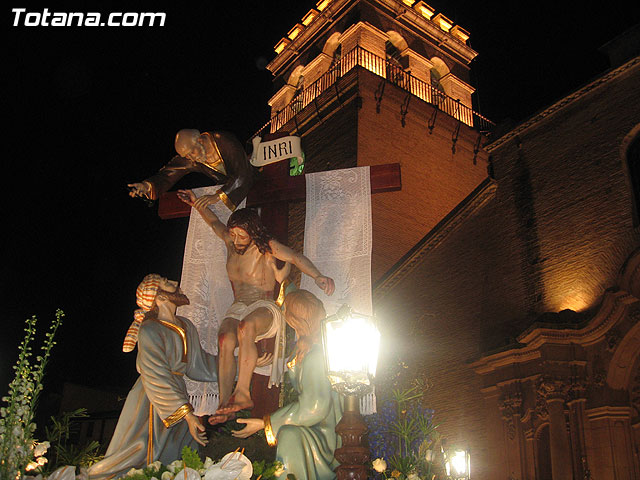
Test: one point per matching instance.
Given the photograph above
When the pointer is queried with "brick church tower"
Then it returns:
(371, 82)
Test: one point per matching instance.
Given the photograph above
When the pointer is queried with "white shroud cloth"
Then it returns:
(205, 281)
(337, 239)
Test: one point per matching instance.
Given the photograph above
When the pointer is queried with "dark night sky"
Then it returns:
(92, 109)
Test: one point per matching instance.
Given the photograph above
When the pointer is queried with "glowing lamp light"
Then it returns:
(443, 22)
(322, 4)
(295, 31)
(351, 342)
(308, 18)
(282, 44)
(461, 33)
(458, 465)
(409, 2)
(425, 10)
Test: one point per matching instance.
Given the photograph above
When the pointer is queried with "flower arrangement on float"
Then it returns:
(403, 438)
(19, 451)
(233, 466)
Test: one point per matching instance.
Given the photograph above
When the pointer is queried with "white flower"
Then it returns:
(134, 471)
(413, 476)
(41, 460)
(279, 471)
(167, 476)
(207, 462)
(155, 465)
(379, 465)
(41, 448)
(31, 466)
(173, 466)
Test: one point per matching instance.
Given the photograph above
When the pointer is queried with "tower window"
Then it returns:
(335, 61)
(395, 70)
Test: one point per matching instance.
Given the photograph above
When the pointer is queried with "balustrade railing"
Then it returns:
(393, 74)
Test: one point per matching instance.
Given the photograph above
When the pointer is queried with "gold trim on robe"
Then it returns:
(178, 415)
(268, 431)
(292, 363)
(152, 190)
(226, 200)
(280, 299)
(150, 441)
(217, 164)
(180, 331)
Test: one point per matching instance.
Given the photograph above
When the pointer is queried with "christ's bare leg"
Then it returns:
(254, 324)
(227, 342)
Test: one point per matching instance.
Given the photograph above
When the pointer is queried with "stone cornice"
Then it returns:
(416, 20)
(608, 413)
(558, 106)
(402, 12)
(291, 50)
(468, 207)
(508, 357)
(614, 307)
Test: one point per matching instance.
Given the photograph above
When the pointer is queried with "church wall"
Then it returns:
(434, 180)
(321, 155)
(554, 236)
(571, 196)
(437, 318)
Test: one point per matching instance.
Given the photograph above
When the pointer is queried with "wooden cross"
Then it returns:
(272, 193)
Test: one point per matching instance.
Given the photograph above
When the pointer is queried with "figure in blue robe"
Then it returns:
(156, 421)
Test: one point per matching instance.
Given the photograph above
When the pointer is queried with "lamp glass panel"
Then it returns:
(352, 345)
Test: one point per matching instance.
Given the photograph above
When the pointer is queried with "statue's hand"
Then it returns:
(326, 284)
(206, 200)
(139, 189)
(253, 425)
(196, 429)
(265, 359)
(187, 196)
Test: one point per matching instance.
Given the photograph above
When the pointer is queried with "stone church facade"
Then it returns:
(507, 268)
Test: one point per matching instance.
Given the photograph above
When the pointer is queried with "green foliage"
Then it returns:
(266, 470)
(17, 427)
(155, 470)
(290, 394)
(403, 434)
(64, 453)
(191, 458)
(225, 429)
(296, 165)
(139, 476)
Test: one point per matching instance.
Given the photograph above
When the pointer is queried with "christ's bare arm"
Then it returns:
(201, 204)
(286, 254)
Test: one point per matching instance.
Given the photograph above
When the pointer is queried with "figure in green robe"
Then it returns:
(157, 420)
(304, 431)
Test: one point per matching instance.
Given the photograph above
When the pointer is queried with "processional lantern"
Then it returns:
(458, 464)
(351, 343)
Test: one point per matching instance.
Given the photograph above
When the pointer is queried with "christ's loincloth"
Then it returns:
(274, 371)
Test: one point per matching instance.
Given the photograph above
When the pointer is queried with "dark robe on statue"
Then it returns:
(229, 167)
